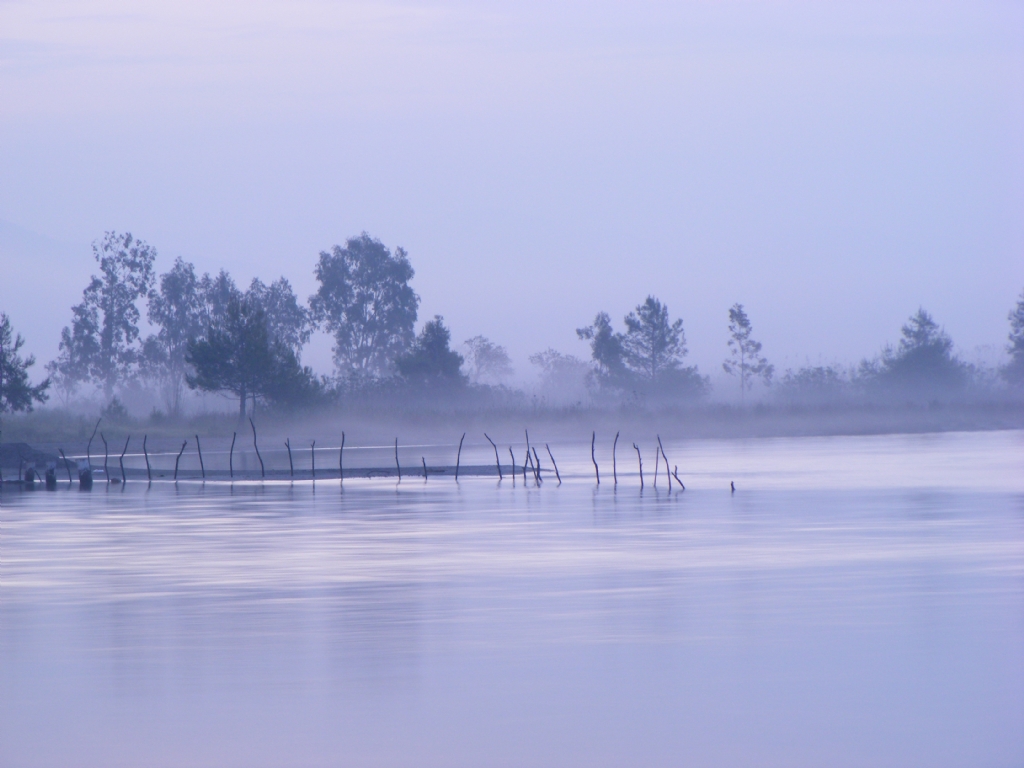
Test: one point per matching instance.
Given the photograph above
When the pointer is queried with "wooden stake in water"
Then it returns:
(593, 458)
(497, 460)
(668, 472)
(124, 478)
(513, 465)
(149, 475)
(424, 460)
(88, 447)
(657, 464)
(291, 467)
(178, 458)
(341, 460)
(536, 462)
(66, 466)
(312, 457)
(640, 461)
(231, 456)
(615, 469)
(263, 472)
(105, 473)
(396, 461)
(202, 466)
(555, 465)
(458, 457)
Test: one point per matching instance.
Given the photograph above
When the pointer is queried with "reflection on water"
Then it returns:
(858, 601)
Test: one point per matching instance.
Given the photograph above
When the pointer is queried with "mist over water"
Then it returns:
(301, 303)
(856, 601)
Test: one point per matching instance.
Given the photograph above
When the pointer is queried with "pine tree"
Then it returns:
(16, 393)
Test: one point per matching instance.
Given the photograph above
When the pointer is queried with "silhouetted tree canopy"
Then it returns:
(16, 393)
(102, 342)
(431, 361)
(239, 355)
(287, 322)
(215, 295)
(813, 384)
(176, 308)
(648, 356)
(365, 301)
(606, 350)
(921, 366)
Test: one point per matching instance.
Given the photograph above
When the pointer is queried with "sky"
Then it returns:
(831, 165)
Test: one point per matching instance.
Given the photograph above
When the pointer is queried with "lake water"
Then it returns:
(858, 601)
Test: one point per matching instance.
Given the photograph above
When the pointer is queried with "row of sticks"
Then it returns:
(531, 462)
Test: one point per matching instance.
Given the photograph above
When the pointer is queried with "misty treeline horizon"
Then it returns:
(246, 344)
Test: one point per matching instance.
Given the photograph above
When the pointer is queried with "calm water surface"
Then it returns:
(857, 602)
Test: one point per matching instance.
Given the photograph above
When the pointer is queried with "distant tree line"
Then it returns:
(210, 335)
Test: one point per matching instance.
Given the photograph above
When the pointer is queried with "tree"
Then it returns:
(747, 362)
(923, 364)
(606, 349)
(240, 356)
(101, 343)
(215, 294)
(648, 356)
(287, 322)
(653, 346)
(487, 360)
(813, 384)
(563, 377)
(177, 309)
(431, 361)
(16, 393)
(366, 302)
(1014, 370)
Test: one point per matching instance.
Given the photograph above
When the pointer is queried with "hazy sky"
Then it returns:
(831, 165)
